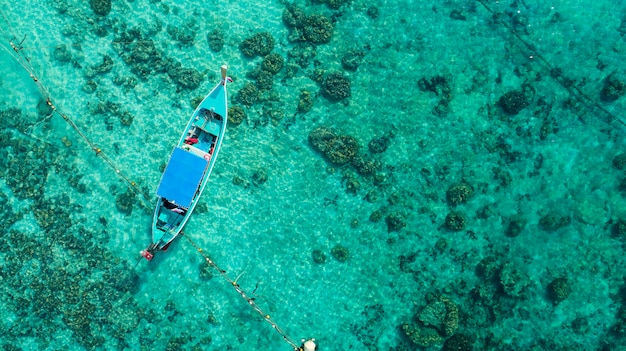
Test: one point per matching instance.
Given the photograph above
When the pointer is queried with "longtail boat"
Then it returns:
(189, 168)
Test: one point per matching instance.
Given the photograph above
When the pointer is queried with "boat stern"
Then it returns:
(147, 254)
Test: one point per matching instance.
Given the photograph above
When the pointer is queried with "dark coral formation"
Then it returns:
(440, 86)
(434, 322)
(320, 137)
(305, 104)
(458, 342)
(319, 256)
(618, 230)
(459, 193)
(139, 52)
(105, 66)
(14, 118)
(110, 110)
(272, 63)
(334, 4)
(342, 149)
(395, 222)
(205, 271)
(124, 202)
(336, 86)
(316, 29)
(188, 78)
(259, 44)
(236, 115)
(62, 54)
(301, 54)
(613, 89)
(352, 184)
(264, 80)
(91, 299)
(513, 281)
(352, 59)
(514, 101)
(340, 253)
(373, 12)
(619, 161)
(553, 221)
(376, 216)
(259, 176)
(338, 149)
(559, 290)
(380, 144)
(100, 7)
(215, 38)
(422, 337)
(455, 221)
(30, 163)
(294, 17)
(185, 35)
(366, 166)
(515, 226)
(248, 94)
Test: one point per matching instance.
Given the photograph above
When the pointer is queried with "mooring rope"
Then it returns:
(250, 300)
(560, 78)
(24, 61)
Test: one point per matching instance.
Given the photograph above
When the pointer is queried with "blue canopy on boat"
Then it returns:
(182, 177)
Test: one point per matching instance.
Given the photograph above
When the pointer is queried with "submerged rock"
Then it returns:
(340, 253)
(441, 314)
(559, 290)
(100, 7)
(395, 222)
(455, 221)
(458, 342)
(553, 221)
(336, 87)
(514, 101)
(272, 63)
(422, 337)
(613, 89)
(342, 149)
(124, 202)
(259, 44)
(236, 115)
(318, 29)
(215, 38)
(459, 193)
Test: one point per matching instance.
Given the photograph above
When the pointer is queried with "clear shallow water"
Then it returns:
(68, 257)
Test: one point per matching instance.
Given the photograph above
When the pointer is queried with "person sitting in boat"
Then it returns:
(168, 204)
(173, 207)
(191, 140)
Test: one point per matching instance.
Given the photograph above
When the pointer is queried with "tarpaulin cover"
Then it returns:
(182, 177)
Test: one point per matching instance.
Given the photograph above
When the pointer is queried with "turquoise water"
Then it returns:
(492, 218)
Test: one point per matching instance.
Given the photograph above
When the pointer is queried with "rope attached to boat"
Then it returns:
(24, 61)
(575, 91)
(250, 300)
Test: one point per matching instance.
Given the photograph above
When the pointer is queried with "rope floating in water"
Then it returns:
(555, 72)
(250, 300)
(24, 61)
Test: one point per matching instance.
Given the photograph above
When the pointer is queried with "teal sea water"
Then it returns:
(418, 175)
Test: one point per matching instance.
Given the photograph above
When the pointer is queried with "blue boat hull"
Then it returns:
(189, 168)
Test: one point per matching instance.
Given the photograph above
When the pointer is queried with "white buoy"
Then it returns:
(309, 345)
